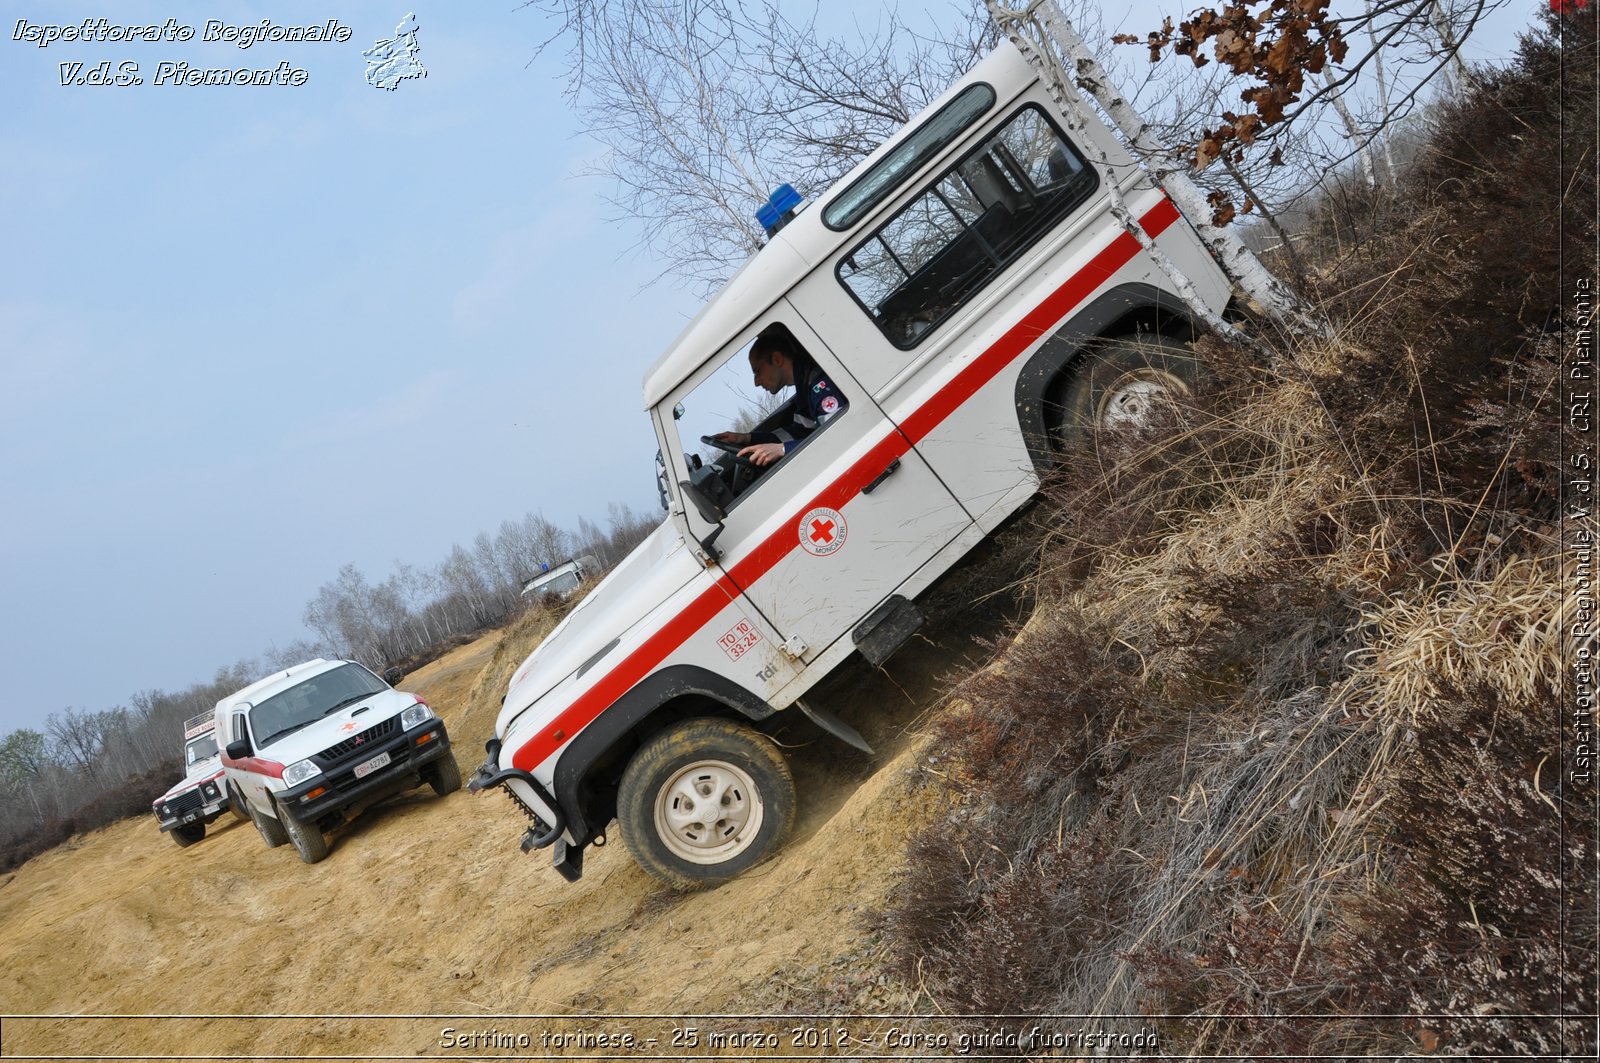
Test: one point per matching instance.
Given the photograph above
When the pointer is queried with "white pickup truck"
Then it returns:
(952, 310)
(188, 808)
(308, 747)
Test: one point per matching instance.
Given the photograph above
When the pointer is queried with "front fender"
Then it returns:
(587, 815)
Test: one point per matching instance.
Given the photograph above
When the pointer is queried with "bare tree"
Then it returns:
(708, 106)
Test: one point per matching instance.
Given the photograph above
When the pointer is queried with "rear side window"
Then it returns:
(976, 219)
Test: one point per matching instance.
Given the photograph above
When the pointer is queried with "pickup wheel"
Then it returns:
(703, 801)
(271, 830)
(308, 841)
(444, 775)
(1127, 383)
(188, 834)
(236, 804)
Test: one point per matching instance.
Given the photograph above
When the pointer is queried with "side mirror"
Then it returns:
(392, 675)
(238, 750)
(709, 511)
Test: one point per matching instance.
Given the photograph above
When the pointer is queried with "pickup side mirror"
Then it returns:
(392, 675)
(238, 750)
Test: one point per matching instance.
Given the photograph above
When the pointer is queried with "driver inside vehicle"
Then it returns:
(777, 362)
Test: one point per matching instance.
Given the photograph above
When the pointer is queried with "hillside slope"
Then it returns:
(425, 906)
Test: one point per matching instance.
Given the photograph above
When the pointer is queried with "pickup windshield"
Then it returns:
(312, 699)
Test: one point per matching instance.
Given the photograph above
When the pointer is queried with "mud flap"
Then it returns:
(836, 727)
(568, 860)
(886, 629)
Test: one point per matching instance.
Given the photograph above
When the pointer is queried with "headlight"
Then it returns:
(299, 772)
(415, 716)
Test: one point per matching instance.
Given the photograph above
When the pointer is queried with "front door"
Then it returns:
(818, 540)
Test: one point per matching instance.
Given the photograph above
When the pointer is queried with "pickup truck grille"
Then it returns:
(335, 753)
(187, 801)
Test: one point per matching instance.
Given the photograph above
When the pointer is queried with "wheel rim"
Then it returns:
(708, 812)
(1139, 399)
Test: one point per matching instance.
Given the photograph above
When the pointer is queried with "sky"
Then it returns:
(250, 334)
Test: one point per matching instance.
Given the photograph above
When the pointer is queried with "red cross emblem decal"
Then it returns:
(822, 531)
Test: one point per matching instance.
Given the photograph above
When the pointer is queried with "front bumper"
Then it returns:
(201, 805)
(338, 789)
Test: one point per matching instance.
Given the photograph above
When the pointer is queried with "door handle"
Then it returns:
(882, 476)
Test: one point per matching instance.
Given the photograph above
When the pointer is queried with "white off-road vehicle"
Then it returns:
(185, 810)
(967, 301)
(306, 748)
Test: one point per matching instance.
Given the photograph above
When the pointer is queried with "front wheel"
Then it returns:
(704, 801)
(308, 841)
(270, 829)
(444, 775)
(1129, 383)
(188, 834)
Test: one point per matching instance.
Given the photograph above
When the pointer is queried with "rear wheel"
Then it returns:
(270, 829)
(188, 834)
(703, 801)
(1128, 383)
(308, 841)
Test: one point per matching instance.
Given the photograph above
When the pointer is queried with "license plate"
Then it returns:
(368, 767)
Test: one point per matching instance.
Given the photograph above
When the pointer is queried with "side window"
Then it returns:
(768, 392)
(945, 245)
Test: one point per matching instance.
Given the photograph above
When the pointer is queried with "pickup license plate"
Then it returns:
(366, 768)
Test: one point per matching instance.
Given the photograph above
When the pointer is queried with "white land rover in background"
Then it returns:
(306, 748)
(964, 301)
(185, 810)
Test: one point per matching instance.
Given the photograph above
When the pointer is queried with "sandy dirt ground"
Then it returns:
(427, 933)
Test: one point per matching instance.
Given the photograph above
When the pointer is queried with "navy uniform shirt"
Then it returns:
(816, 401)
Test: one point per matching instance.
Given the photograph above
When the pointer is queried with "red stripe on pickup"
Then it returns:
(761, 560)
(255, 764)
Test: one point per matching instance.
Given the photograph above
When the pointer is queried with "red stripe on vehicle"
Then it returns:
(255, 764)
(915, 428)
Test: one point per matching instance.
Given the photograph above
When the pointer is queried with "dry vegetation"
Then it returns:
(1278, 752)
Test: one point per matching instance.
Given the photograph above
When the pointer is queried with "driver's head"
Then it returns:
(772, 361)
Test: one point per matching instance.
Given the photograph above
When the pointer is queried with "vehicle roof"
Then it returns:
(262, 689)
(805, 241)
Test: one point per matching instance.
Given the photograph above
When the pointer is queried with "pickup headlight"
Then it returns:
(299, 772)
(415, 716)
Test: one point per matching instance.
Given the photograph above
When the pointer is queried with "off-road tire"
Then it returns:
(271, 830)
(444, 775)
(188, 834)
(1122, 384)
(664, 796)
(236, 804)
(307, 840)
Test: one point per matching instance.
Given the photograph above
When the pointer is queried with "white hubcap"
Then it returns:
(708, 812)
(1139, 399)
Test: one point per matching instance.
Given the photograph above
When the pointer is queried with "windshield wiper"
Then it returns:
(351, 700)
(286, 731)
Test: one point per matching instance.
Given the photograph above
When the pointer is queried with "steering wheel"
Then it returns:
(731, 449)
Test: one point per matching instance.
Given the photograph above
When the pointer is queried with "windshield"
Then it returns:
(560, 584)
(198, 750)
(311, 700)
